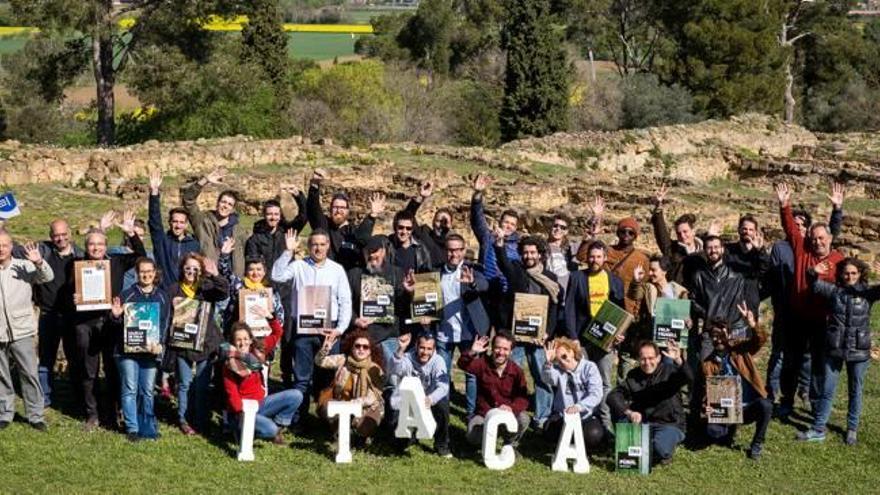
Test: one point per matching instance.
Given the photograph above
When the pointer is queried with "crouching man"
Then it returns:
(430, 368)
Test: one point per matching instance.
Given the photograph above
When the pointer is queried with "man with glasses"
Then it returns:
(346, 240)
(432, 236)
(408, 253)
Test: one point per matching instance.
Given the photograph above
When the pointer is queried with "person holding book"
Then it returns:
(577, 389)
(429, 367)
(528, 276)
(94, 342)
(722, 355)
(346, 239)
(243, 378)
(847, 342)
(307, 277)
(18, 330)
(501, 384)
(432, 236)
(201, 282)
(587, 291)
(256, 277)
(651, 394)
(137, 368)
(359, 377)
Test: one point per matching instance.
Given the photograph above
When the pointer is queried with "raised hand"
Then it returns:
(107, 221)
(498, 235)
(127, 224)
(838, 191)
(155, 181)
(467, 275)
(211, 267)
(409, 281)
(714, 227)
(291, 240)
(228, 245)
(481, 182)
(289, 188)
(660, 195)
(426, 189)
(329, 340)
(550, 351)
(598, 207)
(822, 268)
(32, 253)
(783, 194)
(747, 314)
(403, 342)
(318, 176)
(216, 177)
(638, 273)
(875, 267)
(377, 204)
(673, 351)
(480, 345)
(116, 307)
(758, 241)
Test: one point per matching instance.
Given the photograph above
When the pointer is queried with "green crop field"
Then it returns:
(364, 16)
(11, 44)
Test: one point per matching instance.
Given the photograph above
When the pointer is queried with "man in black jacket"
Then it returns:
(433, 236)
(651, 394)
(748, 256)
(94, 342)
(407, 252)
(346, 240)
(529, 276)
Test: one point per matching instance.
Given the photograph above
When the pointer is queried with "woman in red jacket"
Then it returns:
(243, 379)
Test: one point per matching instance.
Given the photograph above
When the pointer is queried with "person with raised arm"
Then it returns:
(172, 244)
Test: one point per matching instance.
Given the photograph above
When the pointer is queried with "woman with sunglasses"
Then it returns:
(559, 255)
(199, 280)
(577, 389)
(359, 377)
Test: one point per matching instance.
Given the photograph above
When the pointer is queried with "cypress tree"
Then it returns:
(265, 42)
(537, 74)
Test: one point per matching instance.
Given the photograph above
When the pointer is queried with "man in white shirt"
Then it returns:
(315, 270)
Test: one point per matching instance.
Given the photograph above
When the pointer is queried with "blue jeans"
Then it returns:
(277, 410)
(199, 381)
(664, 439)
(137, 375)
(855, 375)
(304, 349)
(542, 401)
(447, 349)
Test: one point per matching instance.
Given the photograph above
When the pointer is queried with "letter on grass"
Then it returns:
(246, 448)
(345, 411)
(495, 460)
(414, 413)
(571, 446)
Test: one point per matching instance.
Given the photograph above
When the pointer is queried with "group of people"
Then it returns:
(821, 304)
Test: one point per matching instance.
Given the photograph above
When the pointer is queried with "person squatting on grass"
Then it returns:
(828, 320)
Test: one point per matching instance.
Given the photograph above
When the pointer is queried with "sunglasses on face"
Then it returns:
(192, 269)
(362, 347)
(406, 228)
(560, 226)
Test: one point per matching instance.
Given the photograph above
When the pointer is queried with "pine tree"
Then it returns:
(265, 41)
(537, 74)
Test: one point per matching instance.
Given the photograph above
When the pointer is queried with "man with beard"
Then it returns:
(528, 276)
(383, 330)
(748, 256)
(433, 236)
(501, 384)
(346, 240)
(171, 245)
(55, 300)
(684, 253)
(587, 292)
(217, 225)
(809, 311)
(408, 253)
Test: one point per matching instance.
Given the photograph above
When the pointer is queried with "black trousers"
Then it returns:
(94, 343)
(802, 337)
(594, 432)
(759, 412)
(440, 411)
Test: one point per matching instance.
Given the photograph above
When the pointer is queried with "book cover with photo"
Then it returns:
(142, 329)
(724, 396)
(427, 299)
(377, 299)
(530, 317)
(610, 321)
(247, 299)
(313, 309)
(189, 325)
(670, 321)
(632, 448)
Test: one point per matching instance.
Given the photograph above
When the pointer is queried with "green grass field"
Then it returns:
(11, 44)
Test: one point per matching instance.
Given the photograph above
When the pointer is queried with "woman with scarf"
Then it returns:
(200, 281)
(255, 278)
(529, 276)
(359, 377)
(137, 369)
(245, 360)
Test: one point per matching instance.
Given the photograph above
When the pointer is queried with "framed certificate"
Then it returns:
(247, 299)
(530, 317)
(313, 309)
(92, 285)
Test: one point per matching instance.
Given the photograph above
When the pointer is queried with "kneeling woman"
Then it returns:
(359, 377)
(577, 389)
(243, 379)
(137, 368)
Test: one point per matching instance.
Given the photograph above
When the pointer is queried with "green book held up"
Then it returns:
(610, 321)
(632, 448)
(670, 317)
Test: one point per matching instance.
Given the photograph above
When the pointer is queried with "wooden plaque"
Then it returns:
(248, 298)
(92, 285)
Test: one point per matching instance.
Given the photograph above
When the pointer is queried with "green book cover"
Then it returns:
(609, 321)
(632, 448)
(670, 316)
